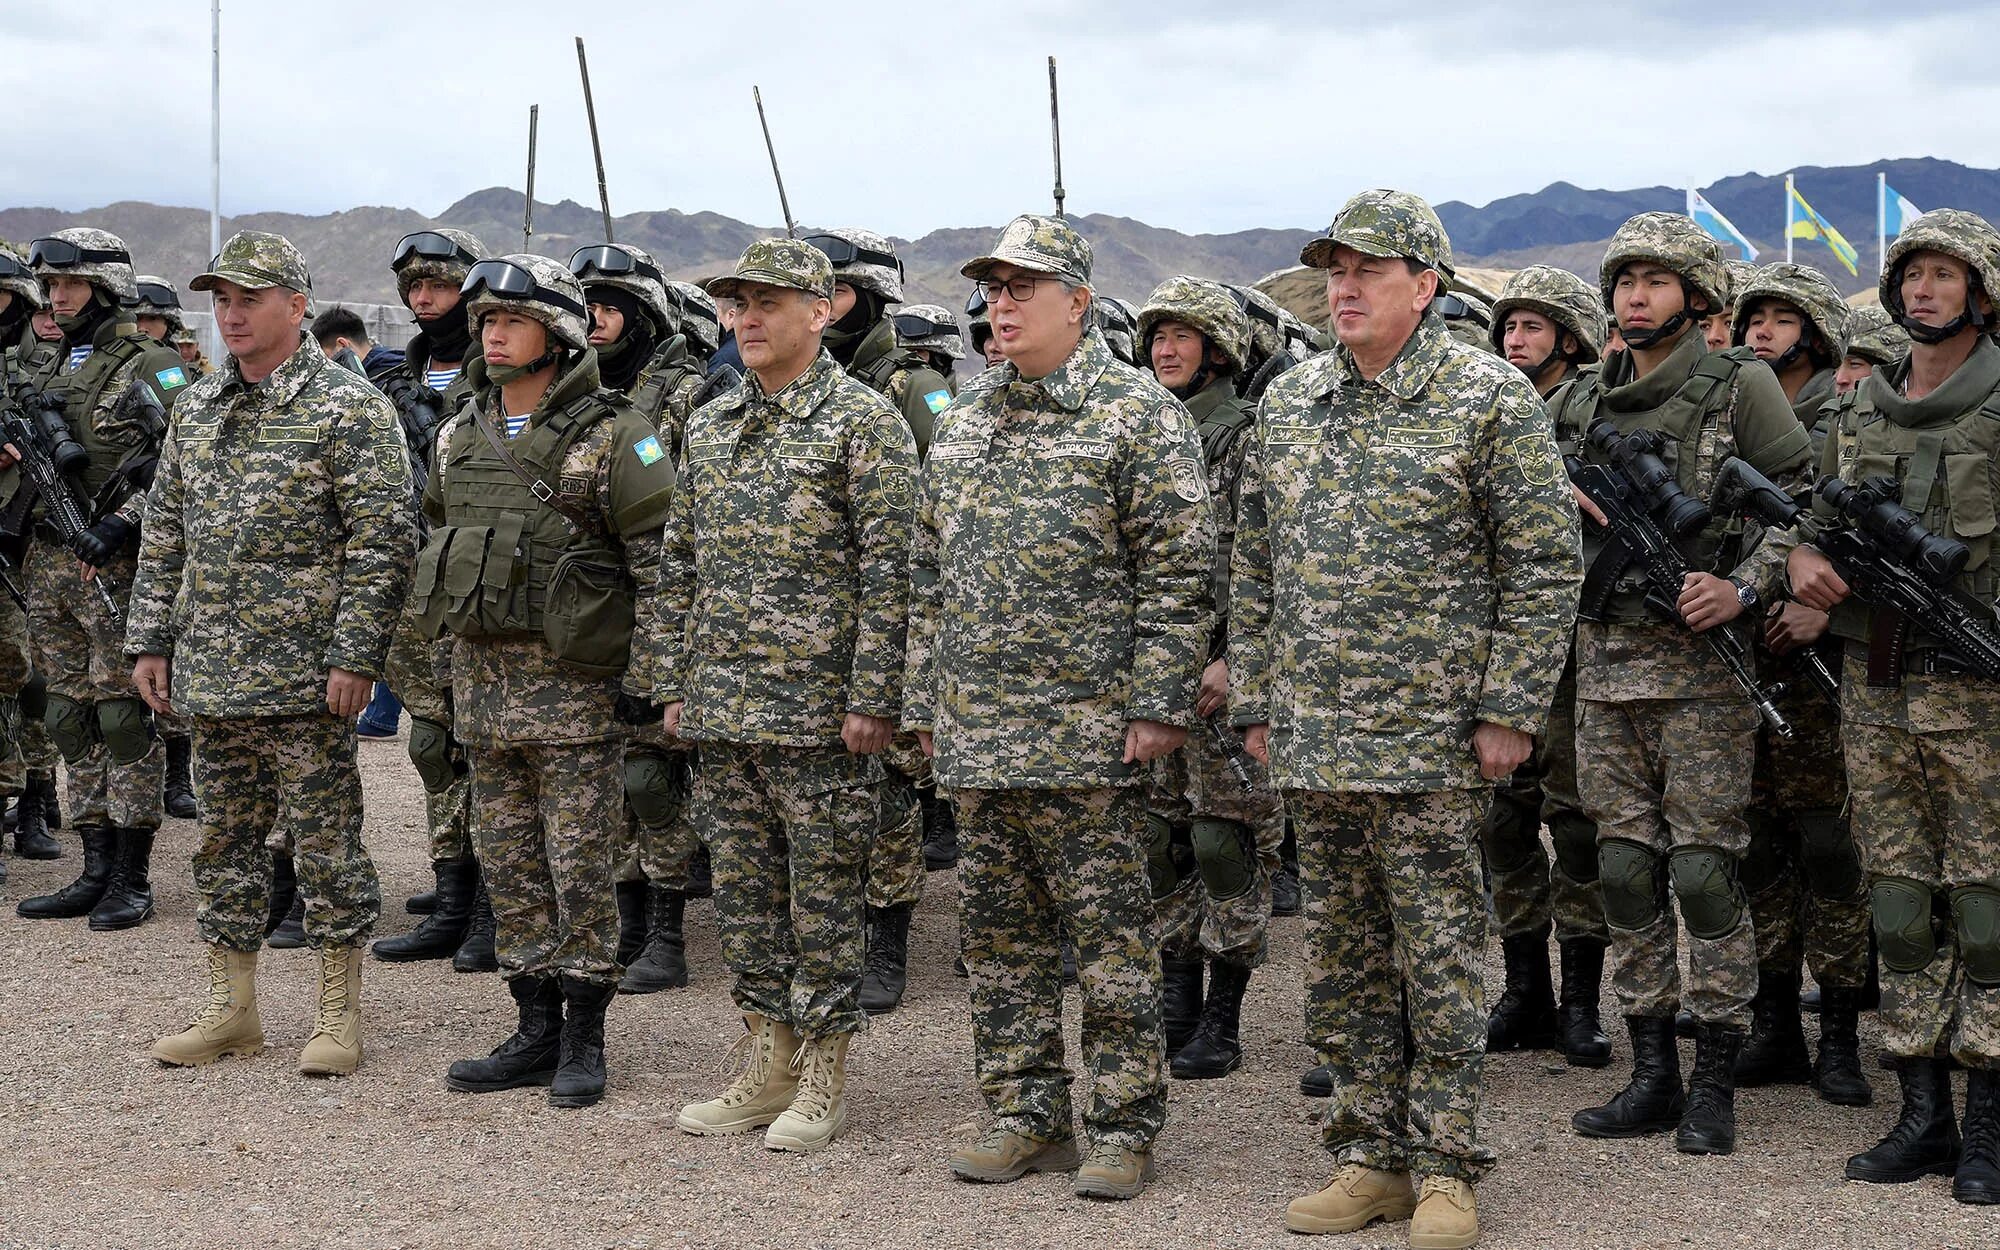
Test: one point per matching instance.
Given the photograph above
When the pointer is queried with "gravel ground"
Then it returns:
(100, 1147)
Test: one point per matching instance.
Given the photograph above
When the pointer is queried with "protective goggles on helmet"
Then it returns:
(1255, 310)
(158, 295)
(918, 326)
(430, 245)
(611, 261)
(842, 252)
(508, 280)
(11, 268)
(975, 304)
(1452, 308)
(61, 254)
(690, 308)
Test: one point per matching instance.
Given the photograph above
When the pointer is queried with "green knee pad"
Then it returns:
(435, 753)
(35, 698)
(1705, 882)
(1827, 853)
(1635, 894)
(1510, 836)
(126, 726)
(1975, 913)
(654, 786)
(1161, 870)
(1228, 860)
(72, 727)
(1903, 930)
(1575, 839)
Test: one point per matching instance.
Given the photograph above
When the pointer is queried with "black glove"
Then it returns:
(98, 545)
(632, 709)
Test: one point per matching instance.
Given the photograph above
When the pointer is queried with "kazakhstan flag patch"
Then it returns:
(170, 379)
(938, 401)
(648, 450)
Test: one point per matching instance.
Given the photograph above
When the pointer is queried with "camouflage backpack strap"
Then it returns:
(1220, 430)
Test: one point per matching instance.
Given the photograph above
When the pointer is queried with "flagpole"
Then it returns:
(1788, 218)
(215, 155)
(1881, 216)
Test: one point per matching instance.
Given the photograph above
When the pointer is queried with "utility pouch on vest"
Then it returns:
(587, 620)
(471, 580)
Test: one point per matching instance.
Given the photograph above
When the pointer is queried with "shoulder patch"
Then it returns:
(648, 450)
(937, 401)
(1190, 483)
(899, 487)
(1535, 456)
(1174, 420)
(171, 379)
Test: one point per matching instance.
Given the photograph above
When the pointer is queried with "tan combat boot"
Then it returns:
(1113, 1172)
(334, 1049)
(1446, 1218)
(763, 1088)
(1004, 1155)
(229, 1024)
(1357, 1196)
(819, 1108)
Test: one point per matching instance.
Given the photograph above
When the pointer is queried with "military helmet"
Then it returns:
(1873, 335)
(17, 277)
(1560, 296)
(1206, 306)
(1299, 337)
(698, 317)
(157, 298)
(97, 256)
(1117, 321)
(1385, 223)
(534, 286)
(927, 327)
(1735, 275)
(862, 258)
(1466, 318)
(1964, 236)
(1671, 241)
(631, 270)
(1804, 288)
(443, 253)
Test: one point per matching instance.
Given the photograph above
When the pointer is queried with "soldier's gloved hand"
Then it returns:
(632, 709)
(97, 545)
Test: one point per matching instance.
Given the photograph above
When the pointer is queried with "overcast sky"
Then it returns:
(1206, 116)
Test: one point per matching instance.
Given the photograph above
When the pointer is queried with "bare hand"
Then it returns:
(1214, 689)
(10, 456)
(347, 694)
(670, 720)
(1814, 583)
(1793, 625)
(154, 676)
(1500, 750)
(865, 734)
(1588, 506)
(1148, 740)
(1257, 741)
(928, 743)
(1707, 601)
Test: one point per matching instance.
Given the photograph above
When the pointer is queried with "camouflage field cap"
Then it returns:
(254, 260)
(778, 262)
(1804, 288)
(97, 256)
(1874, 336)
(697, 316)
(534, 286)
(1953, 232)
(928, 327)
(1560, 296)
(1204, 306)
(441, 253)
(1671, 241)
(1040, 244)
(1384, 223)
(1736, 274)
(862, 258)
(16, 277)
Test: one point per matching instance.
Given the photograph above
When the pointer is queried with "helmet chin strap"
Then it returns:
(1643, 339)
(1950, 329)
(505, 375)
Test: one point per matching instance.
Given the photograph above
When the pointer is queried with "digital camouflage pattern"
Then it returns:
(567, 327)
(650, 291)
(778, 262)
(886, 280)
(115, 276)
(1565, 299)
(1874, 336)
(1200, 305)
(665, 391)
(1039, 244)
(698, 319)
(1266, 324)
(1671, 241)
(1953, 232)
(18, 280)
(1118, 322)
(1198, 781)
(257, 260)
(1382, 222)
(944, 336)
(170, 312)
(902, 377)
(1735, 274)
(443, 269)
(1528, 891)
(1469, 319)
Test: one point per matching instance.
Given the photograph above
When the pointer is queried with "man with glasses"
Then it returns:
(1060, 607)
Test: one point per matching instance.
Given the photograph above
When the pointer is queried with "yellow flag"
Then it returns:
(1807, 224)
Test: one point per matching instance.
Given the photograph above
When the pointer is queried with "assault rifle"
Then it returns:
(419, 410)
(32, 422)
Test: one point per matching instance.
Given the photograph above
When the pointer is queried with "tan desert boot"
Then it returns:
(763, 1088)
(1113, 1172)
(1357, 1196)
(334, 1049)
(1446, 1218)
(1003, 1155)
(819, 1107)
(229, 1024)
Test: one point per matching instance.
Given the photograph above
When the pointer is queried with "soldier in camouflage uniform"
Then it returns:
(1665, 739)
(94, 716)
(778, 652)
(979, 328)
(1718, 328)
(1118, 322)
(1874, 341)
(933, 333)
(1467, 318)
(1548, 323)
(277, 544)
(1059, 621)
(1402, 468)
(1922, 734)
(1214, 823)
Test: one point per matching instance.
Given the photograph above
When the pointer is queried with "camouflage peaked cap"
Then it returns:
(1954, 232)
(15, 276)
(1736, 274)
(1203, 305)
(779, 262)
(651, 292)
(873, 266)
(942, 325)
(255, 260)
(1804, 288)
(445, 269)
(1671, 241)
(566, 325)
(1047, 245)
(1560, 296)
(698, 317)
(107, 261)
(1388, 224)
(1873, 335)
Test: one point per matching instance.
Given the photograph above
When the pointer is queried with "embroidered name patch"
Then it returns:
(957, 451)
(699, 452)
(1085, 448)
(1422, 439)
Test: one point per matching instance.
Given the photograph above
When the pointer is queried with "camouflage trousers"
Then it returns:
(1034, 864)
(545, 822)
(1529, 894)
(788, 831)
(1196, 783)
(1664, 774)
(296, 773)
(414, 670)
(657, 850)
(1393, 904)
(895, 869)
(79, 648)
(24, 741)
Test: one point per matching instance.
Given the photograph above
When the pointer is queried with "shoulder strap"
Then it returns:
(536, 486)
(886, 366)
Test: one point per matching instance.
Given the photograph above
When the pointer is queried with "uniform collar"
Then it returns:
(1625, 393)
(287, 380)
(1205, 401)
(1963, 392)
(803, 394)
(1410, 372)
(1072, 380)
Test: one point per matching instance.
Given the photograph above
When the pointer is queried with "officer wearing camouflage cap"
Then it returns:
(1213, 840)
(778, 649)
(1383, 728)
(1921, 732)
(94, 716)
(1874, 341)
(1060, 614)
(277, 545)
(1665, 738)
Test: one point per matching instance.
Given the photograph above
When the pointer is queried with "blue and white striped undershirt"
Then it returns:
(438, 379)
(79, 354)
(514, 424)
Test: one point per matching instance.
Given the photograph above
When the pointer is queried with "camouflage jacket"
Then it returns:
(1816, 394)
(1222, 425)
(1406, 567)
(277, 539)
(665, 390)
(912, 387)
(784, 589)
(1059, 575)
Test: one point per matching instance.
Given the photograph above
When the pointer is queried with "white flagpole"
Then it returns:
(215, 156)
(1788, 218)
(1881, 215)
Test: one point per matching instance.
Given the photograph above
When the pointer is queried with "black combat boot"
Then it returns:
(528, 1057)
(128, 896)
(1977, 1180)
(579, 1079)
(1216, 1049)
(1838, 1076)
(631, 896)
(1652, 1102)
(1708, 1126)
(45, 780)
(177, 787)
(1317, 1081)
(1584, 1044)
(422, 903)
(1924, 1140)
(440, 934)
(1287, 899)
(1776, 1053)
(100, 846)
(940, 831)
(284, 893)
(885, 974)
(476, 953)
(290, 934)
(31, 822)
(1525, 1016)
(662, 965)
(701, 873)
(1180, 1000)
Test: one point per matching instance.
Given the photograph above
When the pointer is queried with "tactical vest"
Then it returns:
(650, 396)
(879, 372)
(81, 392)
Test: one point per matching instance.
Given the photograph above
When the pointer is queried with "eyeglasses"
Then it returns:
(509, 281)
(611, 261)
(1020, 288)
(918, 326)
(843, 252)
(430, 245)
(158, 295)
(61, 254)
